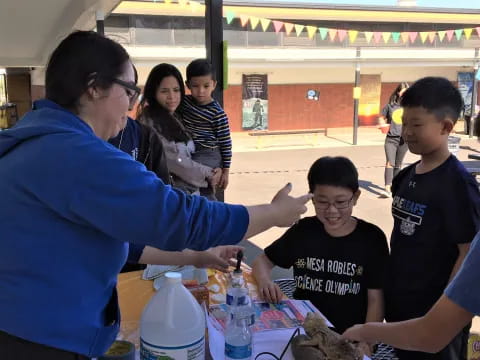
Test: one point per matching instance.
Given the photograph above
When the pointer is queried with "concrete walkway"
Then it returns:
(258, 173)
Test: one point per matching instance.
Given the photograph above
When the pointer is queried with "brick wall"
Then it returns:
(290, 109)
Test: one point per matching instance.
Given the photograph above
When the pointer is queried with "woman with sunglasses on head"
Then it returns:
(162, 95)
(71, 202)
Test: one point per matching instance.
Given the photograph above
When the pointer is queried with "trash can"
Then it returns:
(454, 144)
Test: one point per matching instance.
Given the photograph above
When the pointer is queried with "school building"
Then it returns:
(304, 48)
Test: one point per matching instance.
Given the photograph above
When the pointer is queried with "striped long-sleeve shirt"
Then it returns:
(209, 127)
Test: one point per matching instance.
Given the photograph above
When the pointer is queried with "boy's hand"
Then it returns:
(223, 183)
(270, 291)
(214, 179)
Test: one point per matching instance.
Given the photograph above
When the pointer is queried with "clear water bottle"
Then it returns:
(238, 333)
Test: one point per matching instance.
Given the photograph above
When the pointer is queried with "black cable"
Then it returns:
(296, 332)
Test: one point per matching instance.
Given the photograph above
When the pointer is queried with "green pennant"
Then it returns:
(323, 33)
(458, 33)
(230, 16)
(395, 36)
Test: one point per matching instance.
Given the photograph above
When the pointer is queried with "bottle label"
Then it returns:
(238, 352)
(241, 300)
(194, 351)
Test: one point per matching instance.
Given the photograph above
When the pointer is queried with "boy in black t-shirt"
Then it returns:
(338, 260)
(436, 207)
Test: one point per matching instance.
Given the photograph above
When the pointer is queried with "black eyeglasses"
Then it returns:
(339, 204)
(133, 91)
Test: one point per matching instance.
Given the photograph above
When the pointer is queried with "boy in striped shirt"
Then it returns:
(207, 122)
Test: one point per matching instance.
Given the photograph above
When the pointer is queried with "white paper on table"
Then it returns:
(273, 341)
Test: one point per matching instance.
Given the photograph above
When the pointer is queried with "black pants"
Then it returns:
(15, 348)
(456, 350)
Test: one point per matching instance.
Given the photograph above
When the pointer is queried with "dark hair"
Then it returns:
(395, 97)
(83, 59)
(334, 171)
(437, 95)
(476, 126)
(150, 109)
(200, 67)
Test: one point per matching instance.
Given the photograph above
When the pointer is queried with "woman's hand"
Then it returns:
(227, 252)
(270, 291)
(287, 208)
(217, 258)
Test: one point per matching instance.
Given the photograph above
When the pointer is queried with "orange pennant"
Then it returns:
(431, 36)
(404, 36)
(244, 20)
(288, 28)
(332, 33)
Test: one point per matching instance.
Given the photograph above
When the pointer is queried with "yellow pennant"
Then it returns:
(423, 36)
(254, 22)
(265, 23)
(352, 35)
(311, 31)
(368, 36)
(299, 29)
(386, 36)
(468, 32)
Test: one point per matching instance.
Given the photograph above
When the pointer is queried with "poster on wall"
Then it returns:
(254, 102)
(465, 86)
(369, 104)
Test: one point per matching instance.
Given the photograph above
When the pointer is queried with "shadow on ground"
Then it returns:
(371, 187)
(252, 251)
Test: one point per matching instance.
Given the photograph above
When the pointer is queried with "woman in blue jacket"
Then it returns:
(71, 202)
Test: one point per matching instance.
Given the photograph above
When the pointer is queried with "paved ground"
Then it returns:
(257, 173)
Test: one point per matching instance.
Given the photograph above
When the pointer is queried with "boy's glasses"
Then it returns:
(133, 91)
(339, 204)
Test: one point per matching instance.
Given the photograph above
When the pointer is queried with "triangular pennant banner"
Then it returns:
(458, 34)
(441, 35)
(478, 30)
(230, 15)
(468, 32)
(332, 33)
(352, 35)
(323, 33)
(412, 36)
(277, 25)
(311, 30)
(254, 22)
(377, 36)
(368, 36)
(265, 23)
(342, 34)
(423, 36)
(431, 36)
(404, 36)
(395, 36)
(450, 35)
(244, 20)
(386, 36)
(288, 28)
(299, 29)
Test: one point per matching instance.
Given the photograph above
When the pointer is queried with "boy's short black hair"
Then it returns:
(200, 67)
(334, 171)
(437, 95)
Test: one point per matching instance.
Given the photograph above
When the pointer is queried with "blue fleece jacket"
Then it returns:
(70, 202)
